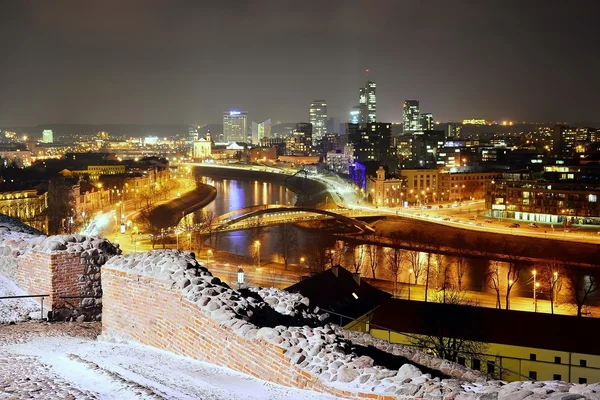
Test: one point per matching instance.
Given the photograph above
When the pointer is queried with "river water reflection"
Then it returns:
(236, 194)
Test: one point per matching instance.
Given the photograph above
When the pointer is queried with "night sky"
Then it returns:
(186, 62)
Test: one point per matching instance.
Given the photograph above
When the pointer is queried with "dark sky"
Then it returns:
(173, 61)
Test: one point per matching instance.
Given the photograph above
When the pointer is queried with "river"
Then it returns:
(235, 194)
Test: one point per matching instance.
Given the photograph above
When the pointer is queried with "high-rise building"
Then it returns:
(47, 136)
(261, 130)
(317, 116)
(410, 116)
(427, 121)
(367, 103)
(425, 146)
(372, 142)
(355, 115)
(235, 126)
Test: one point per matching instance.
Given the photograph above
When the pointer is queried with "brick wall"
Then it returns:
(61, 275)
(148, 311)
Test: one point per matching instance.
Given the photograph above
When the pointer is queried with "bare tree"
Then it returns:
(319, 251)
(61, 203)
(286, 241)
(415, 263)
(373, 258)
(148, 224)
(358, 258)
(492, 279)
(446, 345)
(394, 258)
(443, 276)
(580, 286)
(459, 243)
(552, 279)
(515, 255)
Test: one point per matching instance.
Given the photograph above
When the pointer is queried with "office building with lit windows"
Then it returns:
(47, 136)
(367, 103)
(411, 117)
(427, 121)
(235, 126)
(317, 116)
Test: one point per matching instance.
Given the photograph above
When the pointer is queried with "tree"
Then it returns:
(444, 275)
(552, 279)
(580, 286)
(319, 251)
(148, 224)
(394, 260)
(459, 243)
(358, 258)
(61, 203)
(451, 347)
(286, 241)
(492, 279)
(415, 263)
(515, 255)
(373, 253)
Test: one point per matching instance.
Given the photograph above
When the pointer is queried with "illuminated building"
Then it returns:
(474, 122)
(372, 142)
(570, 140)
(260, 131)
(410, 116)
(235, 126)
(47, 136)
(339, 161)
(464, 185)
(367, 103)
(202, 148)
(263, 154)
(317, 116)
(420, 184)
(385, 192)
(427, 121)
(25, 204)
(453, 130)
(355, 115)
(562, 203)
(425, 146)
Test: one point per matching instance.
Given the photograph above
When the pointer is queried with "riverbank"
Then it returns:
(168, 214)
(310, 193)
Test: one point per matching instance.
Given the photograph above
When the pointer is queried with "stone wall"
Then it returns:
(65, 267)
(167, 300)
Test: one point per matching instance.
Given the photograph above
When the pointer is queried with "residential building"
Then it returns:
(562, 203)
(339, 161)
(421, 185)
(263, 154)
(235, 126)
(372, 142)
(317, 116)
(464, 185)
(410, 116)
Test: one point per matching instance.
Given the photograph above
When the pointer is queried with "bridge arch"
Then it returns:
(255, 211)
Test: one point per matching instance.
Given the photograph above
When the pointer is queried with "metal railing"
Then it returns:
(41, 296)
(483, 358)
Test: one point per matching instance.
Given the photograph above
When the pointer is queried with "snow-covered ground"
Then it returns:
(131, 371)
(15, 310)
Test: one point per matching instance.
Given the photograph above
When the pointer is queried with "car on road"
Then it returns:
(533, 226)
(447, 219)
(514, 226)
(479, 224)
(489, 220)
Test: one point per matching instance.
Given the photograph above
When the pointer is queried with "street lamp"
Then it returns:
(240, 277)
(554, 294)
(208, 254)
(535, 286)
(302, 260)
(410, 272)
(257, 244)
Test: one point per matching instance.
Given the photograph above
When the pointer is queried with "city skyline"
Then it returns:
(169, 63)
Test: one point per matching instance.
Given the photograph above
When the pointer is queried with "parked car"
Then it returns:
(514, 226)
(533, 225)
(489, 220)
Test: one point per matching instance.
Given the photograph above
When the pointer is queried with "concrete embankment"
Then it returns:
(168, 214)
(310, 193)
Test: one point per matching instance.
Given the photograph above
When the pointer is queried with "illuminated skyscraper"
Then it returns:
(47, 136)
(410, 119)
(355, 115)
(260, 131)
(317, 116)
(235, 126)
(427, 121)
(367, 103)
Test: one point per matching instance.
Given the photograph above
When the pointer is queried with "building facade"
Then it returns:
(410, 116)
(317, 116)
(547, 202)
(464, 185)
(235, 126)
(263, 154)
(385, 192)
(202, 148)
(367, 103)
(421, 185)
(27, 205)
(427, 121)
